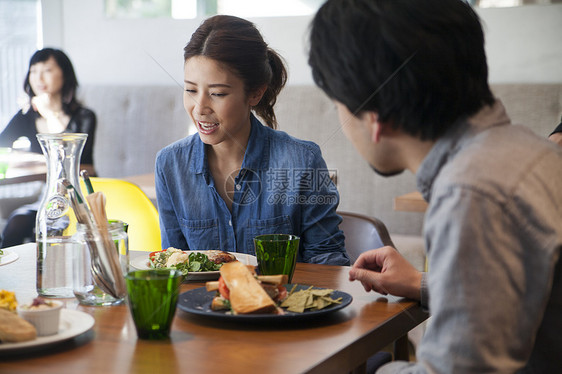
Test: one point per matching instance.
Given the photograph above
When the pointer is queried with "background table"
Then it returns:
(145, 182)
(25, 167)
(410, 202)
(338, 343)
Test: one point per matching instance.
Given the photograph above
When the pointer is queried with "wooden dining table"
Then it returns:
(338, 342)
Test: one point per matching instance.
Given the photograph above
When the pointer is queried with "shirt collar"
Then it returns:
(461, 133)
(256, 156)
(257, 151)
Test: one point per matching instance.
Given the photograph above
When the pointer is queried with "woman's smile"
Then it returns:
(216, 100)
(207, 128)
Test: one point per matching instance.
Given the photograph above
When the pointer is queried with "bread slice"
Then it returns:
(246, 294)
(274, 279)
(212, 286)
(271, 279)
(13, 328)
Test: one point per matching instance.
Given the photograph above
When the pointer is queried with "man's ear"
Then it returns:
(255, 96)
(372, 120)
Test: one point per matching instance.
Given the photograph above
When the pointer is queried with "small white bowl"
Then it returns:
(45, 320)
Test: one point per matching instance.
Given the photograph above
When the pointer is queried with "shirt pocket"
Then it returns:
(201, 233)
(276, 225)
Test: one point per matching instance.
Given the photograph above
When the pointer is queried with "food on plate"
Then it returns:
(39, 304)
(159, 259)
(220, 257)
(311, 298)
(42, 314)
(240, 290)
(186, 261)
(15, 329)
(8, 300)
(176, 258)
(295, 301)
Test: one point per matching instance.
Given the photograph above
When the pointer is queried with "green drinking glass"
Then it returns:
(277, 254)
(152, 298)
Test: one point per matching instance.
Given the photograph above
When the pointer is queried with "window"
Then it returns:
(19, 27)
(509, 3)
(186, 9)
(268, 8)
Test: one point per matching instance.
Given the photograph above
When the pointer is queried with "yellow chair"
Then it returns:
(127, 202)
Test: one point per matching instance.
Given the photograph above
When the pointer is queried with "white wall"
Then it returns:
(522, 44)
(150, 51)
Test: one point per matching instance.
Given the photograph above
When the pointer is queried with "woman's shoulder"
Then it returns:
(22, 119)
(179, 148)
(24, 114)
(83, 117)
(285, 142)
(85, 111)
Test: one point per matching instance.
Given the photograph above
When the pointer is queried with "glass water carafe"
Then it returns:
(56, 221)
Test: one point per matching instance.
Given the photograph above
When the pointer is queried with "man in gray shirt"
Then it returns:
(409, 79)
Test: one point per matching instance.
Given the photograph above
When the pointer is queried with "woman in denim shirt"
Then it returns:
(237, 178)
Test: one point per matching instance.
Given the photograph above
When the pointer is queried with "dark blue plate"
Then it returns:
(198, 301)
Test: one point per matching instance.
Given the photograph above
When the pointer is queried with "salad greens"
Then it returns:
(197, 262)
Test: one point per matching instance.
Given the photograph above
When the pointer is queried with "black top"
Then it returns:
(82, 121)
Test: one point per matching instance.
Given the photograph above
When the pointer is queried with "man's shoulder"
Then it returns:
(500, 151)
(501, 161)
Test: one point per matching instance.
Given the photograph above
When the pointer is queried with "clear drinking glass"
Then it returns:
(85, 288)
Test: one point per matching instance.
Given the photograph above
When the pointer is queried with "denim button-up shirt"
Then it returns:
(283, 187)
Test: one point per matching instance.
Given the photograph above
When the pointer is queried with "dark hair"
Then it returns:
(420, 64)
(70, 84)
(236, 43)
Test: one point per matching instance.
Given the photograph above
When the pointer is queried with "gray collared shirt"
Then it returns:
(493, 233)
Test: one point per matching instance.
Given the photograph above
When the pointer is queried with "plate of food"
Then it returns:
(241, 295)
(195, 264)
(7, 257)
(72, 323)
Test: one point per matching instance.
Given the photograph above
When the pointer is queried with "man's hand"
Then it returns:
(385, 271)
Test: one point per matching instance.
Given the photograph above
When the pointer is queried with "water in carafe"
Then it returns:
(56, 221)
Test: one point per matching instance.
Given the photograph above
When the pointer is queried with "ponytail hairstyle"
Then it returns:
(237, 44)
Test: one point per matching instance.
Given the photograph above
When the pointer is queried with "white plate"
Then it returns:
(141, 263)
(72, 323)
(8, 257)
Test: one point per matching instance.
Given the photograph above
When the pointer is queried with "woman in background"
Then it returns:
(51, 86)
(237, 178)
